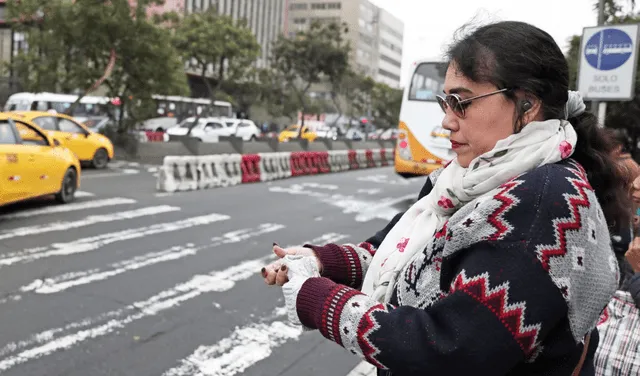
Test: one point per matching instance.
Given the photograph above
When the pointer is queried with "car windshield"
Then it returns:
(94, 122)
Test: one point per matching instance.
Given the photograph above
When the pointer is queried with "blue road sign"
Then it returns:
(608, 49)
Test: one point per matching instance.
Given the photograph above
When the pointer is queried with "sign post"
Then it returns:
(608, 62)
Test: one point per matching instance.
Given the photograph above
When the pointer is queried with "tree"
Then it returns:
(343, 86)
(246, 92)
(208, 41)
(386, 103)
(72, 43)
(55, 58)
(311, 57)
(278, 100)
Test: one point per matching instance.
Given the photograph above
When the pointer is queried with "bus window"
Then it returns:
(427, 81)
(422, 143)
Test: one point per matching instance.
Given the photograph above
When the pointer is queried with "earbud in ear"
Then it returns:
(526, 106)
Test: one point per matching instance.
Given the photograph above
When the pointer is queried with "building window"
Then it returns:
(391, 61)
(388, 74)
(390, 45)
(366, 39)
(326, 20)
(299, 21)
(392, 31)
(299, 6)
(318, 6)
(334, 6)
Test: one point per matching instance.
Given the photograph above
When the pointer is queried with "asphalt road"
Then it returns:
(127, 281)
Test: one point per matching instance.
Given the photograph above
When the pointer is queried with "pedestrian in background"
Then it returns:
(618, 352)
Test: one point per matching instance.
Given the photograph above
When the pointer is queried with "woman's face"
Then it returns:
(487, 120)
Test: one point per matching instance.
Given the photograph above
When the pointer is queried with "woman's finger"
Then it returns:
(282, 277)
(271, 277)
(270, 272)
(279, 251)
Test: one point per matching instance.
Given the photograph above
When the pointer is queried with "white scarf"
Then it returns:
(538, 143)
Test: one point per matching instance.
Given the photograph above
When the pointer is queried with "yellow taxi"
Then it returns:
(291, 132)
(33, 164)
(88, 146)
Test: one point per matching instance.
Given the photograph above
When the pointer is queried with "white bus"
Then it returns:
(422, 145)
(96, 106)
(89, 106)
(184, 107)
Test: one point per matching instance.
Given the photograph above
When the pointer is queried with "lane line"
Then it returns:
(48, 342)
(95, 242)
(75, 206)
(65, 281)
(243, 348)
(88, 221)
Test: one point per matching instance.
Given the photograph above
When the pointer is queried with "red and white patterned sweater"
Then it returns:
(510, 286)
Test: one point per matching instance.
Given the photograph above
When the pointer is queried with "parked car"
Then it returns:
(210, 129)
(88, 146)
(33, 163)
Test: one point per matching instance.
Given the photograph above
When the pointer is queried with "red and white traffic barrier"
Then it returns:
(184, 173)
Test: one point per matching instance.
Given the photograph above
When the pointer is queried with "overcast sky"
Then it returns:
(430, 24)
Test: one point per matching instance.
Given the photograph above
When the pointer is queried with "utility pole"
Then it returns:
(600, 108)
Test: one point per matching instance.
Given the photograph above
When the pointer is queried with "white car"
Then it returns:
(210, 129)
(243, 128)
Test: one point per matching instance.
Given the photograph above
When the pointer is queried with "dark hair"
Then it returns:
(620, 140)
(519, 56)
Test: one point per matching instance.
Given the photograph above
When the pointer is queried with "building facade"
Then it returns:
(376, 35)
(265, 18)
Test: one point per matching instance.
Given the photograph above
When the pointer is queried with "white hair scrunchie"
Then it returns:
(575, 105)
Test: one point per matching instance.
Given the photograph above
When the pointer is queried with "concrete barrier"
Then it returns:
(186, 173)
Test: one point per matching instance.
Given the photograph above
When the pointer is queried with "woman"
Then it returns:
(505, 265)
(624, 241)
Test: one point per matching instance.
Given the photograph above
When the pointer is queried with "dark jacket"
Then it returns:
(629, 280)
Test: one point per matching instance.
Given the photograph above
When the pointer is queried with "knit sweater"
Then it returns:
(510, 285)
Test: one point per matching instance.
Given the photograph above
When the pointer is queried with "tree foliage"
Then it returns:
(216, 47)
(386, 103)
(319, 54)
(70, 45)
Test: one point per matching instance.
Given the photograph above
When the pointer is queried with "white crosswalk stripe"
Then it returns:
(76, 206)
(239, 349)
(95, 242)
(90, 220)
(243, 348)
(60, 283)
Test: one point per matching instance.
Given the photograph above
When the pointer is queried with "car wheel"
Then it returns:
(100, 159)
(253, 138)
(69, 185)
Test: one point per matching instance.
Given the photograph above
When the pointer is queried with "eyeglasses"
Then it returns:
(458, 105)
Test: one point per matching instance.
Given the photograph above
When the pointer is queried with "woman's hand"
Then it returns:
(276, 272)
